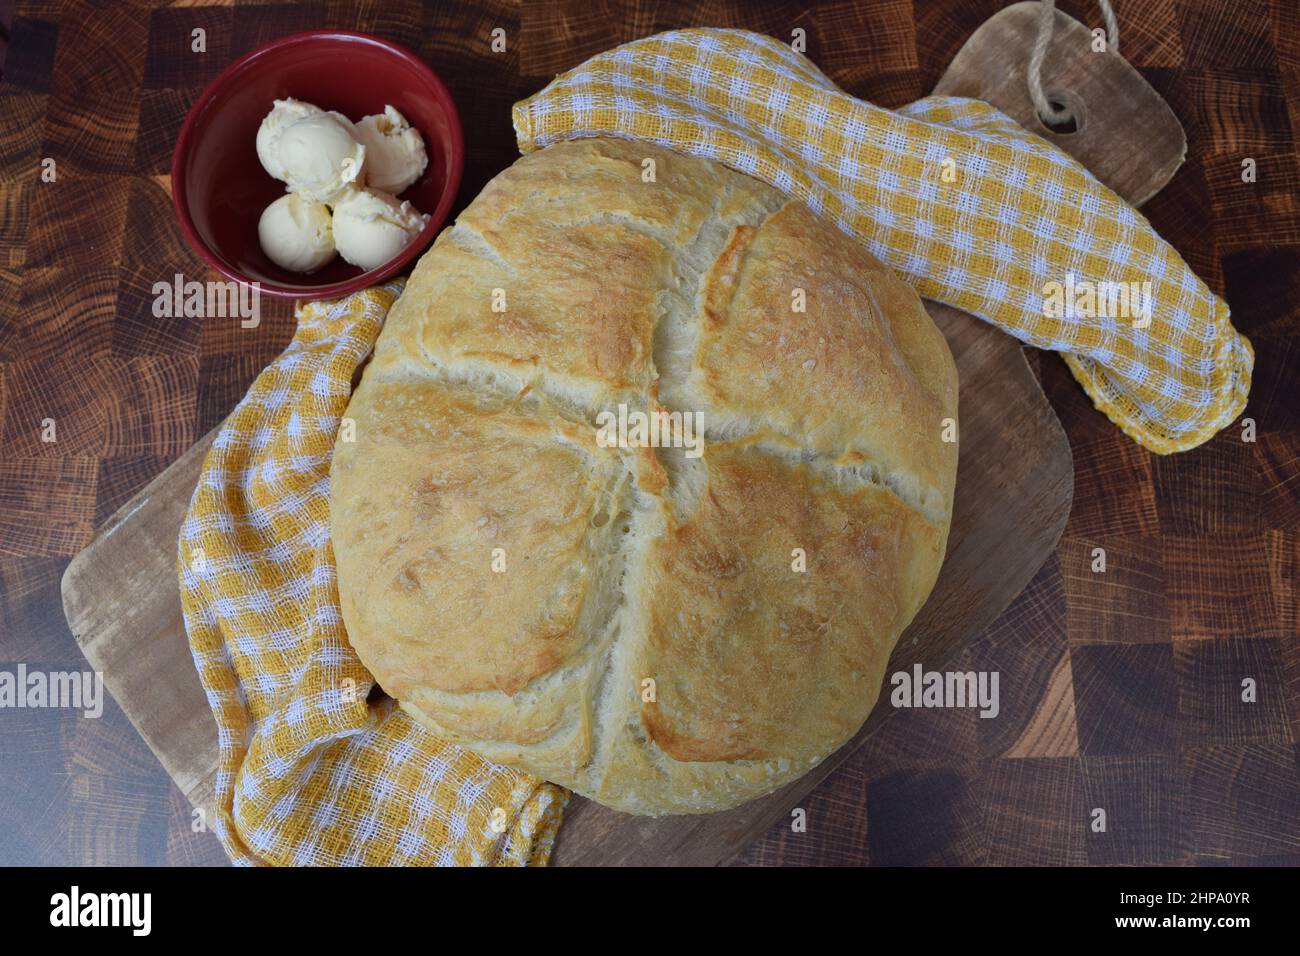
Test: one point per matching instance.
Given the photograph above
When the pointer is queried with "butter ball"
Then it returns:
(284, 113)
(395, 153)
(296, 233)
(372, 226)
(321, 156)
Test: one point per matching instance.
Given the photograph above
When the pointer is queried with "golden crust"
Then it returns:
(667, 633)
(874, 388)
(433, 519)
(755, 626)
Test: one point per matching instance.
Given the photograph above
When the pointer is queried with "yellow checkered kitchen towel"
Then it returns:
(1016, 230)
(311, 772)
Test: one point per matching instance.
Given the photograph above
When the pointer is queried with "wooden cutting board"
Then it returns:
(1014, 487)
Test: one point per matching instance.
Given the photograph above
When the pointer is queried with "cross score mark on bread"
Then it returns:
(475, 437)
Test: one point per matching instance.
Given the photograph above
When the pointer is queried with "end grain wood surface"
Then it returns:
(1127, 679)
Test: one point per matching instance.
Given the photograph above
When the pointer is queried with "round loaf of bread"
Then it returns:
(670, 624)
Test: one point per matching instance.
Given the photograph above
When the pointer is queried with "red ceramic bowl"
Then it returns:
(219, 187)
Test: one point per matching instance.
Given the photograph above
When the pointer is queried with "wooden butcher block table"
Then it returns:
(1106, 680)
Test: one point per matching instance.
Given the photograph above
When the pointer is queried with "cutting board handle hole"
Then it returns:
(1067, 100)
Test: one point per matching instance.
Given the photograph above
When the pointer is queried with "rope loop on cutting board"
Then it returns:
(1049, 112)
